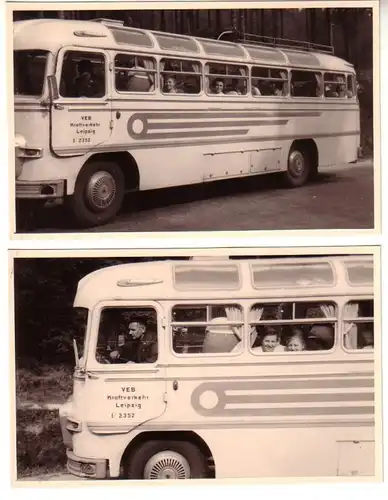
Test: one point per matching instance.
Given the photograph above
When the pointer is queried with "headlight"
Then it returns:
(28, 152)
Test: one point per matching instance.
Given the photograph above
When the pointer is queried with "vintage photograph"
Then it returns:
(147, 120)
(188, 366)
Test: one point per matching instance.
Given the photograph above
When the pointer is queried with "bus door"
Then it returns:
(81, 108)
(125, 371)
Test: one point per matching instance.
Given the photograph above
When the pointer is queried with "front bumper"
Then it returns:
(96, 468)
(39, 190)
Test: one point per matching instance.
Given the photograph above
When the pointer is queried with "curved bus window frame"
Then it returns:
(334, 320)
(346, 320)
(269, 78)
(200, 304)
(316, 72)
(162, 73)
(94, 345)
(154, 73)
(218, 76)
(83, 50)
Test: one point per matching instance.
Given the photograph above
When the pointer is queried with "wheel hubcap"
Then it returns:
(167, 465)
(100, 191)
(296, 164)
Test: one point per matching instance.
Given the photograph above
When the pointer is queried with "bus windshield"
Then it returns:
(29, 72)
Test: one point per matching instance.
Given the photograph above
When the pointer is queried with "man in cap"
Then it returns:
(320, 338)
(140, 345)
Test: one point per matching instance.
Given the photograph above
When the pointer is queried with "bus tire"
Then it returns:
(298, 167)
(98, 193)
(166, 460)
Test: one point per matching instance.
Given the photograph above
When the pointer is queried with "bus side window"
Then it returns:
(269, 81)
(204, 329)
(335, 85)
(83, 75)
(127, 335)
(180, 76)
(358, 327)
(292, 326)
(226, 79)
(134, 73)
(305, 84)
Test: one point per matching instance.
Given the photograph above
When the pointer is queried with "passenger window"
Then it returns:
(292, 326)
(127, 335)
(134, 73)
(335, 85)
(207, 329)
(269, 82)
(226, 79)
(180, 76)
(83, 75)
(306, 84)
(358, 328)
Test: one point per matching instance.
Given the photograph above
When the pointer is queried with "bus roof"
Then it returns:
(52, 34)
(224, 278)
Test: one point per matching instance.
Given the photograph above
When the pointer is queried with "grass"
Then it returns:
(39, 446)
(45, 384)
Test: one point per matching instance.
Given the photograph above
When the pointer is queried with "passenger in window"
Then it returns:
(367, 339)
(234, 90)
(87, 84)
(139, 346)
(341, 87)
(329, 90)
(296, 342)
(138, 79)
(270, 341)
(219, 337)
(255, 90)
(218, 86)
(170, 86)
(320, 338)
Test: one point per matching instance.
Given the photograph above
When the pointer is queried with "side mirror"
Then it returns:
(53, 87)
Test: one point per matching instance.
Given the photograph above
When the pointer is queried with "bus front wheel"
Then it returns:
(166, 460)
(98, 193)
(298, 167)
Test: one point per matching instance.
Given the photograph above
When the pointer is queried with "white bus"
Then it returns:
(102, 110)
(225, 368)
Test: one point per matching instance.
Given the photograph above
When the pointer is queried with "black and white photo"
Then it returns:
(197, 366)
(150, 120)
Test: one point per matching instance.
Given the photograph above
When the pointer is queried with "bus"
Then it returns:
(103, 110)
(221, 368)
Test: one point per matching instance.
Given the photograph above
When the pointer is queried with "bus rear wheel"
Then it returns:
(166, 460)
(298, 168)
(98, 193)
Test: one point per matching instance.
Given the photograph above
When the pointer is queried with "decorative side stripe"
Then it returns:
(105, 148)
(212, 399)
(222, 124)
(300, 398)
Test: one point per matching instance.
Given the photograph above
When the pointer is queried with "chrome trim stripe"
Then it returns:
(179, 115)
(103, 428)
(251, 378)
(259, 364)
